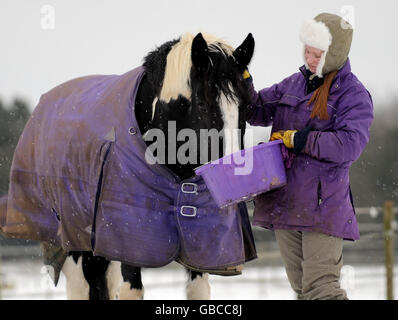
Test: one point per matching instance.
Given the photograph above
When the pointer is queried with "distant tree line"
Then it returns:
(12, 121)
(374, 177)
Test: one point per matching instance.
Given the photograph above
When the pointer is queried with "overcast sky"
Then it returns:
(112, 36)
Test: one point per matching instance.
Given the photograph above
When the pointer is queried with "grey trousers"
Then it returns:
(313, 262)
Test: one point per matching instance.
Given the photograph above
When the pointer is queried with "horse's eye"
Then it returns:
(182, 106)
(202, 107)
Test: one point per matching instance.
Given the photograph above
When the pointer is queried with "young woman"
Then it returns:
(323, 114)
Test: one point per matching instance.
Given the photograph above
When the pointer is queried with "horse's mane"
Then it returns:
(155, 65)
(168, 67)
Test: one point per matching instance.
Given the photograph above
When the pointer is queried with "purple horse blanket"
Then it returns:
(79, 180)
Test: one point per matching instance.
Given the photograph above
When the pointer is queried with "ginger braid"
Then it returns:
(320, 97)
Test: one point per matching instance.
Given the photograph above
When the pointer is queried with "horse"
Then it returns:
(195, 82)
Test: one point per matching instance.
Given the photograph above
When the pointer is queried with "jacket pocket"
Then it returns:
(290, 100)
(323, 125)
(352, 199)
(319, 193)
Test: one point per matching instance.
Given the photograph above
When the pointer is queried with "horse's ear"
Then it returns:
(244, 53)
(200, 53)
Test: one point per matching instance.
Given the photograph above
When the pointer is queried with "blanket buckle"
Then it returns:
(188, 214)
(193, 187)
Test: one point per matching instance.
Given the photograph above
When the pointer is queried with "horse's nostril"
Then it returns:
(132, 130)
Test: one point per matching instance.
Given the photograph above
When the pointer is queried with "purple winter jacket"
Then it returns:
(317, 196)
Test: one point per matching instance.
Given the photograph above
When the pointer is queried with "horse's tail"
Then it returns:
(3, 212)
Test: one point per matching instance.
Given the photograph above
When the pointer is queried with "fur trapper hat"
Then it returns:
(333, 35)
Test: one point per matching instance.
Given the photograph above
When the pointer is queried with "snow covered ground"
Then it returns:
(28, 280)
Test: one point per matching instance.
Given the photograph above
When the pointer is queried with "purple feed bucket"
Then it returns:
(244, 174)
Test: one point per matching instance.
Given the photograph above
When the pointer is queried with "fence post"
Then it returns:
(389, 247)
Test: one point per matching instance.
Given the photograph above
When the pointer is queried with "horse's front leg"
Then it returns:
(91, 277)
(198, 287)
(132, 288)
(77, 287)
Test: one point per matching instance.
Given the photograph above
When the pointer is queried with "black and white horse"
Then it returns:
(197, 82)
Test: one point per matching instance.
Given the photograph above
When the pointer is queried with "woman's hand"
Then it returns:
(292, 139)
(287, 136)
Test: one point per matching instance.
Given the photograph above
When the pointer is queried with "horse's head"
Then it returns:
(194, 86)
